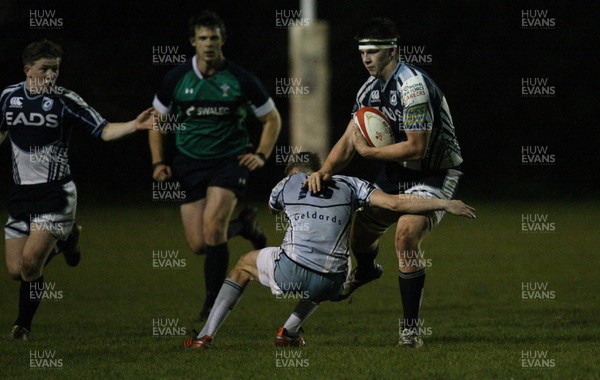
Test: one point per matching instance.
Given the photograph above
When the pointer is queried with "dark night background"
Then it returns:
(479, 52)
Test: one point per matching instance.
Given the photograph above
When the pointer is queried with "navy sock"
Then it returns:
(30, 296)
(365, 261)
(215, 271)
(411, 290)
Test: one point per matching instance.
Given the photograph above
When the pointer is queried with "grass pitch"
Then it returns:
(500, 302)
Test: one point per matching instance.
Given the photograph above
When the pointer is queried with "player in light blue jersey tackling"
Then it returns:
(312, 263)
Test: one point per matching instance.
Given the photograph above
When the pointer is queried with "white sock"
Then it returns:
(303, 310)
(228, 297)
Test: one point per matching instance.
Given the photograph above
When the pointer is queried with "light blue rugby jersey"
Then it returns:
(319, 224)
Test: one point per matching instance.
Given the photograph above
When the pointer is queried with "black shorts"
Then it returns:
(43, 198)
(195, 176)
(46, 206)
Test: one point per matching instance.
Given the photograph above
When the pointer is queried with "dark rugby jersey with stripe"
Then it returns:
(208, 113)
(39, 128)
(413, 102)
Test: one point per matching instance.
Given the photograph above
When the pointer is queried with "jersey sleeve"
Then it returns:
(361, 190)
(417, 109)
(276, 198)
(78, 111)
(163, 99)
(253, 91)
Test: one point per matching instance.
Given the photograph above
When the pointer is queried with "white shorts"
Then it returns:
(265, 263)
(59, 224)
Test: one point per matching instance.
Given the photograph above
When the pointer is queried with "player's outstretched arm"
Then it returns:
(144, 120)
(340, 155)
(271, 127)
(411, 204)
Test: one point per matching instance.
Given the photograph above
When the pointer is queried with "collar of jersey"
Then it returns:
(393, 76)
(197, 69)
(28, 94)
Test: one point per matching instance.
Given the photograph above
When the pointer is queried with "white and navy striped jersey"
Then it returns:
(318, 225)
(413, 102)
(39, 127)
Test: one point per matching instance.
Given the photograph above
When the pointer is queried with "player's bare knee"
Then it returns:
(30, 271)
(244, 269)
(14, 273)
(240, 273)
(406, 243)
(236, 273)
(406, 239)
(215, 234)
(14, 269)
(198, 248)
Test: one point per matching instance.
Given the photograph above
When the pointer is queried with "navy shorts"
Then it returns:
(395, 179)
(195, 176)
(46, 206)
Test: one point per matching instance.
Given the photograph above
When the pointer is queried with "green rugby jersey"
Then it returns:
(209, 113)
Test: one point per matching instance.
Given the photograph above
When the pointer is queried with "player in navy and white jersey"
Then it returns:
(38, 116)
(425, 160)
(40, 127)
(312, 263)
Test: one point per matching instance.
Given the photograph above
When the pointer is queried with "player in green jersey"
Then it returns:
(205, 104)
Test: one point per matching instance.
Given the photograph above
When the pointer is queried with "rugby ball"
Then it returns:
(374, 126)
